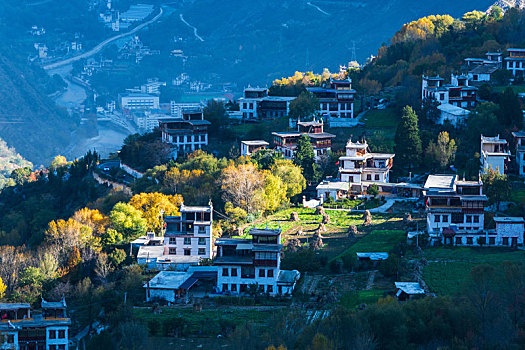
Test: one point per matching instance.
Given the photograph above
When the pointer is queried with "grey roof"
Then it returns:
(288, 277)
(187, 208)
(255, 143)
(320, 135)
(333, 185)
(373, 256)
(267, 247)
(484, 69)
(410, 287)
(454, 110)
(382, 155)
(440, 181)
(14, 306)
(54, 304)
(175, 279)
(234, 260)
(518, 133)
(495, 139)
(231, 241)
(509, 219)
(265, 231)
(150, 251)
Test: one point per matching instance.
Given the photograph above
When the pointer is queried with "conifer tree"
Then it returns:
(407, 141)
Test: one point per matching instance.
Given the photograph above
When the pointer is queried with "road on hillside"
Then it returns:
(103, 44)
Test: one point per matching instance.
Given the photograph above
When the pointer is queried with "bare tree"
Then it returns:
(103, 267)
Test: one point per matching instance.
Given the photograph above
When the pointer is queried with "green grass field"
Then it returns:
(351, 300)
(376, 241)
(449, 268)
(206, 322)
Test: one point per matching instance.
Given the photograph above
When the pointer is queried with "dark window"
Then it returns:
(51, 347)
(469, 218)
(234, 272)
(457, 218)
(224, 287)
(52, 334)
(458, 241)
(505, 240)
(270, 273)
(202, 251)
(369, 176)
(10, 338)
(437, 218)
(62, 347)
(202, 241)
(247, 272)
(469, 241)
(234, 287)
(187, 240)
(225, 271)
(187, 252)
(476, 219)
(173, 240)
(492, 240)
(261, 273)
(445, 218)
(269, 289)
(377, 177)
(173, 251)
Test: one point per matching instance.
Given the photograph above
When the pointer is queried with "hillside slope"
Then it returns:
(29, 120)
(249, 41)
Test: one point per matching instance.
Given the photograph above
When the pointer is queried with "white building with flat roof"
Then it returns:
(494, 154)
(250, 147)
(138, 101)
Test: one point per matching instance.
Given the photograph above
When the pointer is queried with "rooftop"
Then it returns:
(454, 110)
(333, 185)
(410, 287)
(255, 143)
(373, 256)
(14, 306)
(440, 181)
(54, 304)
(288, 277)
(187, 208)
(484, 69)
(150, 251)
(495, 139)
(518, 133)
(509, 220)
(175, 279)
(265, 231)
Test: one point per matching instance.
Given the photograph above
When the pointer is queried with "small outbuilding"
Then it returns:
(408, 290)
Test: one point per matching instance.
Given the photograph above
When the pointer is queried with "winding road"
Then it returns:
(318, 8)
(103, 44)
(192, 27)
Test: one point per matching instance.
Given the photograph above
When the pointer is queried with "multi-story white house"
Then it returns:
(455, 209)
(187, 240)
(494, 154)
(336, 102)
(21, 329)
(509, 232)
(519, 138)
(138, 101)
(458, 93)
(185, 134)
(256, 104)
(515, 62)
(361, 168)
(286, 141)
(254, 262)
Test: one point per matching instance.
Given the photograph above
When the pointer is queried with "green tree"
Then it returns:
(496, 186)
(442, 153)
(473, 19)
(510, 113)
(305, 158)
(373, 190)
(290, 175)
(128, 221)
(117, 256)
(3, 288)
(304, 106)
(495, 13)
(407, 141)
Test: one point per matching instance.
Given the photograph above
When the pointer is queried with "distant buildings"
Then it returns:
(332, 189)
(361, 168)
(286, 141)
(515, 62)
(185, 134)
(250, 147)
(20, 328)
(253, 263)
(494, 154)
(136, 101)
(336, 102)
(256, 104)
